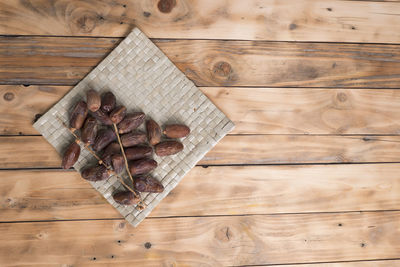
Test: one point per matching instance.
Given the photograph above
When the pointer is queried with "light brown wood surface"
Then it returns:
(36, 152)
(211, 241)
(59, 60)
(311, 85)
(58, 195)
(284, 20)
(253, 110)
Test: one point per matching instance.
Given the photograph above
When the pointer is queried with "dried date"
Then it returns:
(71, 155)
(78, 115)
(176, 130)
(89, 131)
(118, 163)
(95, 173)
(105, 137)
(118, 114)
(102, 117)
(142, 166)
(148, 184)
(132, 139)
(108, 101)
(168, 148)
(126, 198)
(153, 132)
(93, 100)
(138, 152)
(131, 122)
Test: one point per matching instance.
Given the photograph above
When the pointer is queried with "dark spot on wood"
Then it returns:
(94, 258)
(37, 116)
(339, 224)
(228, 235)
(121, 225)
(124, 5)
(222, 69)
(165, 6)
(8, 96)
(342, 97)
(292, 26)
(353, 28)
(101, 18)
(242, 17)
(147, 245)
(362, 245)
(119, 241)
(20, 133)
(112, 256)
(146, 14)
(334, 65)
(366, 139)
(26, 85)
(329, 9)
(205, 166)
(121, 22)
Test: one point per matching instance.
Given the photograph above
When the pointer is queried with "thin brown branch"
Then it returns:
(101, 162)
(123, 152)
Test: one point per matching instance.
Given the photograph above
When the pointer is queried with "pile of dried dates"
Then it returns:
(109, 129)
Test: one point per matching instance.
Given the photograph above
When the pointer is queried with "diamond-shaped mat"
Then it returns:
(143, 79)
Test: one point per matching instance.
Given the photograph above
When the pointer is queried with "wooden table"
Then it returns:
(310, 174)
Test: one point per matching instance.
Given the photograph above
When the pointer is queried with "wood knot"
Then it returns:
(147, 245)
(292, 26)
(342, 97)
(224, 234)
(165, 6)
(222, 69)
(8, 96)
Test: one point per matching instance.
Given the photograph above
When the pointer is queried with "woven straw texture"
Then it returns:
(143, 79)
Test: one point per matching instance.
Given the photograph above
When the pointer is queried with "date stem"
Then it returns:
(140, 205)
(123, 152)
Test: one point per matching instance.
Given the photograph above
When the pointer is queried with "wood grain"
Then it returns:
(18, 151)
(372, 263)
(207, 241)
(284, 20)
(253, 110)
(65, 61)
(63, 195)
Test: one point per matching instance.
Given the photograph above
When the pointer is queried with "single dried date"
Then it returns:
(102, 117)
(108, 101)
(142, 166)
(118, 114)
(131, 122)
(176, 130)
(118, 163)
(95, 173)
(105, 137)
(168, 148)
(71, 155)
(89, 131)
(132, 139)
(78, 115)
(153, 132)
(126, 198)
(110, 150)
(93, 100)
(148, 184)
(138, 152)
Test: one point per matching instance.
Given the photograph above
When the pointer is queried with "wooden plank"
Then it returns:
(18, 151)
(284, 20)
(63, 195)
(370, 263)
(209, 241)
(65, 61)
(253, 110)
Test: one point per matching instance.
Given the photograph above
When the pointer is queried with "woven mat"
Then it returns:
(143, 79)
